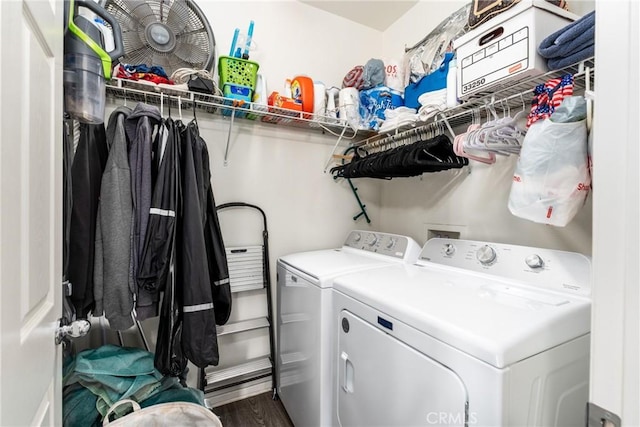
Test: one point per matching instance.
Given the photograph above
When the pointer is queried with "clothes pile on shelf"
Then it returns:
(143, 222)
(154, 74)
(94, 380)
(397, 117)
(571, 44)
(429, 94)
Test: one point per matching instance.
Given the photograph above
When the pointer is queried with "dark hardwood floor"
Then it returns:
(255, 411)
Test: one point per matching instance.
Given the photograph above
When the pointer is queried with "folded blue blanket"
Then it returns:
(570, 39)
(561, 62)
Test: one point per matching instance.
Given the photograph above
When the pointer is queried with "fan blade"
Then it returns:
(191, 53)
(178, 17)
(175, 63)
(194, 32)
(142, 12)
(123, 15)
(137, 56)
(132, 43)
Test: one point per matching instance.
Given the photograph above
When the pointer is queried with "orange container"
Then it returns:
(278, 100)
(302, 91)
(284, 106)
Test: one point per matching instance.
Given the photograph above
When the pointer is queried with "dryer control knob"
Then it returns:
(449, 249)
(534, 261)
(486, 255)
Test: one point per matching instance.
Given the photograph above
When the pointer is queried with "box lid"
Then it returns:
(522, 6)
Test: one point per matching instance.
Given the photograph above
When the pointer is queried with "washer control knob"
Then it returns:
(357, 237)
(391, 243)
(449, 249)
(534, 261)
(372, 240)
(486, 255)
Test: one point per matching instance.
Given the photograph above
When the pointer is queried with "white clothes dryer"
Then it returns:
(304, 362)
(473, 334)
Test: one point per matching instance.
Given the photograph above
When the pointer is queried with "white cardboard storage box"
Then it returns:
(503, 50)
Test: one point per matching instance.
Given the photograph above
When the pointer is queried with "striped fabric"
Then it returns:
(354, 78)
(548, 96)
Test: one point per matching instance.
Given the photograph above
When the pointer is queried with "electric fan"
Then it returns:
(170, 33)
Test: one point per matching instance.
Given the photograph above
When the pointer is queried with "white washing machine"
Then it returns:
(304, 362)
(473, 334)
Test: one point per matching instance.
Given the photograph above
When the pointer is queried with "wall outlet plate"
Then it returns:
(449, 231)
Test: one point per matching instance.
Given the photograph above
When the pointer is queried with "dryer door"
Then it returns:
(384, 382)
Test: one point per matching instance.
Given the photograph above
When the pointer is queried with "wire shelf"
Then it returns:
(175, 98)
(514, 96)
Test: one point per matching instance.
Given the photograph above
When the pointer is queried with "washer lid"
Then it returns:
(499, 322)
(325, 265)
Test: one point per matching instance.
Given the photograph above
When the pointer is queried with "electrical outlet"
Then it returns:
(447, 231)
(446, 234)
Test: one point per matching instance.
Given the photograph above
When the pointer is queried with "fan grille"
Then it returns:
(191, 43)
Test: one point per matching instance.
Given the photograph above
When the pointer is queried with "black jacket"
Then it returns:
(216, 255)
(86, 176)
(199, 340)
(200, 296)
(159, 240)
(159, 252)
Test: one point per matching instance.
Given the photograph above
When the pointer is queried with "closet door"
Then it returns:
(31, 34)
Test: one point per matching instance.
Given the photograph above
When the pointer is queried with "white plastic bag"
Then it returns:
(552, 180)
(168, 414)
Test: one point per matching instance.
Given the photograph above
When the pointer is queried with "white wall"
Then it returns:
(293, 38)
(281, 169)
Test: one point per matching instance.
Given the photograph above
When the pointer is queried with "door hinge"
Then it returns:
(600, 417)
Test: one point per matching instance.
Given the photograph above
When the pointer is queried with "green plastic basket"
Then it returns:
(237, 71)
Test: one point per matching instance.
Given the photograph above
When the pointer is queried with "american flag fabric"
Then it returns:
(548, 96)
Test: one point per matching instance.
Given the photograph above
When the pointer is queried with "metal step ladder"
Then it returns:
(248, 271)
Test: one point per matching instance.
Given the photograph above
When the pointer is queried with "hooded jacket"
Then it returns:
(139, 129)
(113, 284)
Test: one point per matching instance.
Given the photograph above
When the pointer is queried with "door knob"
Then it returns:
(77, 328)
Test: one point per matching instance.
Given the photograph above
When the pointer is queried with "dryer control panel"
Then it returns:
(391, 245)
(544, 268)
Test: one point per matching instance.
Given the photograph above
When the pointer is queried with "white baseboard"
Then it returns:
(233, 394)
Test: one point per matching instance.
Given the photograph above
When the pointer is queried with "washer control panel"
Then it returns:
(391, 245)
(547, 268)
